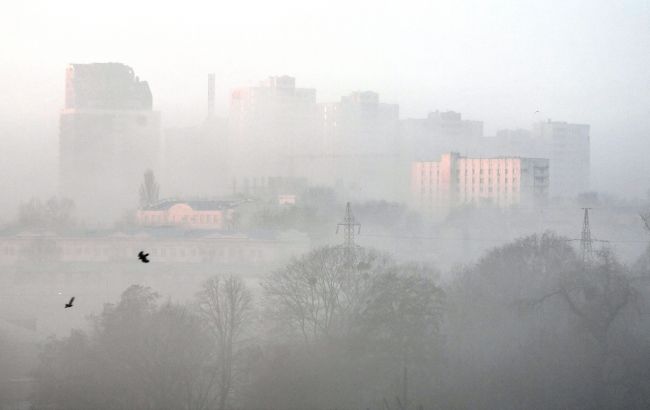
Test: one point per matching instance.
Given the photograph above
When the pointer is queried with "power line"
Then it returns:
(495, 240)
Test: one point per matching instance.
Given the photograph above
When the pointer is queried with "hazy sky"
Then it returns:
(499, 61)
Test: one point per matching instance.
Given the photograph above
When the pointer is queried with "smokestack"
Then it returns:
(210, 95)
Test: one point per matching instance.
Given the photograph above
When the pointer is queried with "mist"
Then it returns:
(350, 205)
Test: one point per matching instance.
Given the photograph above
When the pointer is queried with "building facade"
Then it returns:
(268, 125)
(355, 146)
(568, 150)
(453, 181)
(438, 133)
(197, 214)
(109, 135)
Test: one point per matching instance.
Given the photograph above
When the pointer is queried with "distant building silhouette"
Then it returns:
(566, 145)
(195, 159)
(360, 136)
(568, 148)
(105, 86)
(268, 125)
(440, 132)
(109, 136)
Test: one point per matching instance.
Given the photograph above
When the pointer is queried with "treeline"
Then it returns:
(530, 325)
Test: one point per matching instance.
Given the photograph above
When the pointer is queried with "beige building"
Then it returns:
(439, 186)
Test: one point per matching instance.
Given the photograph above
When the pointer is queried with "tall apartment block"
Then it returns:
(109, 135)
(360, 135)
(567, 147)
(438, 133)
(454, 180)
(195, 159)
(269, 124)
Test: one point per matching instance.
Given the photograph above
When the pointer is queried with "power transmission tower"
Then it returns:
(585, 239)
(349, 224)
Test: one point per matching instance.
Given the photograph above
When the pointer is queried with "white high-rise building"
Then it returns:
(567, 147)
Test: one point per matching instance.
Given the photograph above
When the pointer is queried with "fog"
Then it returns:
(344, 205)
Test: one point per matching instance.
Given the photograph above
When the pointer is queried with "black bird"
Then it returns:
(143, 257)
(69, 304)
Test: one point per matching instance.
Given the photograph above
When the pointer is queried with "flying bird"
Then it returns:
(143, 257)
(69, 304)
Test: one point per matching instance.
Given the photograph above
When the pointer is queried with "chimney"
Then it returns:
(210, 95)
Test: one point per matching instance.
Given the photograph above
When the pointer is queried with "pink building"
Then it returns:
(188, 214)
(437, 187)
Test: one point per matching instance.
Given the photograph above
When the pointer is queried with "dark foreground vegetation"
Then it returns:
(532, 325)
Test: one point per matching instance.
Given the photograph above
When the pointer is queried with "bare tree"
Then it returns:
(138, 354)
(226, 305)
(597, 297)
(56, 214)
(645, 217)
(149, 189)
(316, 293)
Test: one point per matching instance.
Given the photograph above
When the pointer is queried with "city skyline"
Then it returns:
(497, 61)
(359, 146)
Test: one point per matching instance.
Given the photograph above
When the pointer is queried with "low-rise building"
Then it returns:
(163, 245)
(194, 214)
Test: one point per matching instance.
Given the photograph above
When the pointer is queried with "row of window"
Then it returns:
(459, 173)
(475, 189)
(481, 182)
(494, 171)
